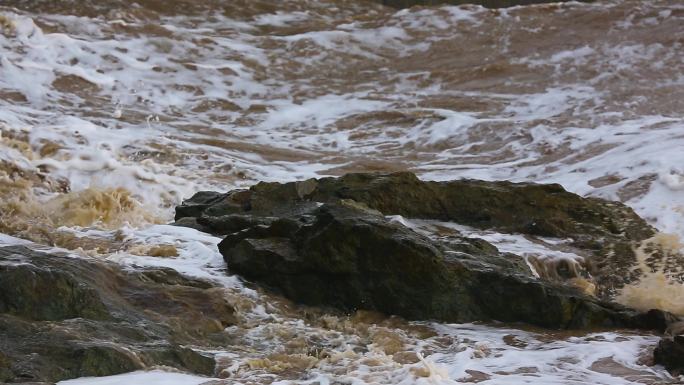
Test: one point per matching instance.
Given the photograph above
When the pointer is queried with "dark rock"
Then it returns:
(670, 353)
(655, 319)
(40, 293)
(191, 360)
(328, 242)
(484, 3)
(607, 232)
(196, 362)
(191, 222)
(97, 360)
(228, 224)
(5, 368)
(526, 208)
(167, 276)
(199, 202)
(63, 317)
(350, 259)
(41, 351)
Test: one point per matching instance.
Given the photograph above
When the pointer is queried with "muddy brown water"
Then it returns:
(112, 111)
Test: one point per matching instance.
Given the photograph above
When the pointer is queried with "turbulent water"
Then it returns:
(113, 111)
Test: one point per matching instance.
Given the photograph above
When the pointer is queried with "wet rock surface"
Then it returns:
(546, 210)
(670, 354)
(484, 3)
(64, 317)
(328, 242)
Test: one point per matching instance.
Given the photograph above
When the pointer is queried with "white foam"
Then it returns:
(152, 377)
(561, 361)
(280, 19)
(198, 254)
(7, 240)
(291, 80)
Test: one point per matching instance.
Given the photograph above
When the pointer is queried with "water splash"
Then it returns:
(660, 284)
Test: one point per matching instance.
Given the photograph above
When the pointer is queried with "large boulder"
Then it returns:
(64, 317)
(329, 242)
(343, 257)
(606, 232)
(546, 210)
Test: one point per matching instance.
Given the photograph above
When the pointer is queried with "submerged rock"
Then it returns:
(328, 242)
(64, 317)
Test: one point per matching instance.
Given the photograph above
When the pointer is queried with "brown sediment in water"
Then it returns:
(476, 63)
(378, 340)
(107, 208)
(162, 250)
(103, 208)
(39, 218)
(34, 205)
(612, 367)
(660, 284)
(7, 26)
(295, 364)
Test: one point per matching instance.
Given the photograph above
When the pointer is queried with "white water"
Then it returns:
(155, 377)
(585, 95)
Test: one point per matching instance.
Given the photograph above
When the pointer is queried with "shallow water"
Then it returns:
(111, 113)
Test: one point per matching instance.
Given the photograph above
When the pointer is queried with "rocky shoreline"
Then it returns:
(331, 243)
